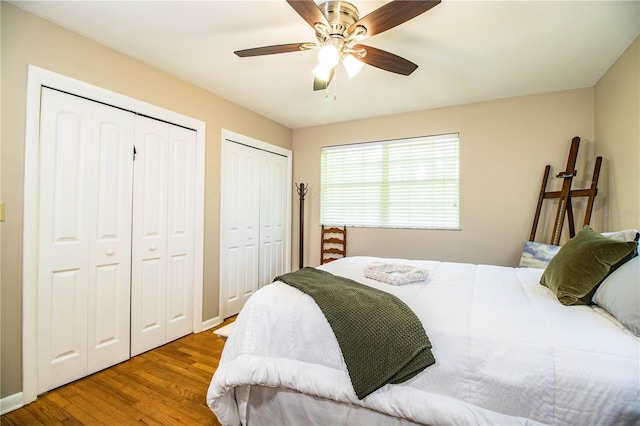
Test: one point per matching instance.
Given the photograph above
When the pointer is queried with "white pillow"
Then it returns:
(619, 294)
(626, 235)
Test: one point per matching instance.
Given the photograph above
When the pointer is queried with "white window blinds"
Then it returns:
(408, 183)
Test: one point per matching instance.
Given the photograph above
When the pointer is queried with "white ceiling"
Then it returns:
(467, 51)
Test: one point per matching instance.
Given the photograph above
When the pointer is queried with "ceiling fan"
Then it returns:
(339, 30)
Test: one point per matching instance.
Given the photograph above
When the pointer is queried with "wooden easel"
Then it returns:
(565, 207)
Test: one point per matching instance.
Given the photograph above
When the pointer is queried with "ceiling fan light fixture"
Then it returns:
(339, 30)
(322, 72)
(328, 55)
(352, 65)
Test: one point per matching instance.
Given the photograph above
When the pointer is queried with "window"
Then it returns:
(407, 183)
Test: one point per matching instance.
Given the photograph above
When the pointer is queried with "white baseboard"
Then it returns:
(208, 324)
(11, 402)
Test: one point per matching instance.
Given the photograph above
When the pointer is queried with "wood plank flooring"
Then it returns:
(165, 386)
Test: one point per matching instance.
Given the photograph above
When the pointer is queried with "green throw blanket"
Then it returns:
(381, 339)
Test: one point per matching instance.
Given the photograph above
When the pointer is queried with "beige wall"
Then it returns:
(617, 128)
(504, 147)
(27, 39)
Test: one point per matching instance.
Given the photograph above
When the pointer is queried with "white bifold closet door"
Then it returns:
(163, 234)
(273, 202)
(254, 203)
(116, 236)
(85, 237)
(239, 259)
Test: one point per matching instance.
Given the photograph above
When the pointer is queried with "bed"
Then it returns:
(506, 352)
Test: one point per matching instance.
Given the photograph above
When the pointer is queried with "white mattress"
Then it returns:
(507, 352)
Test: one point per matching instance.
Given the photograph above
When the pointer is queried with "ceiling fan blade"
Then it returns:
(319, 84)
(392, 14)
(309, 11)
(386, 61)
(270, 50)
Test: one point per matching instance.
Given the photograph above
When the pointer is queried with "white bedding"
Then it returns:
(507, 352)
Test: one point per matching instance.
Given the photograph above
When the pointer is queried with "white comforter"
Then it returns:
(506, 352)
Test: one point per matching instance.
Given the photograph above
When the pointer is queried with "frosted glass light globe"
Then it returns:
(328, 56)
(352, 65)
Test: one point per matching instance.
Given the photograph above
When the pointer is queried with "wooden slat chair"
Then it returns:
(333, 242)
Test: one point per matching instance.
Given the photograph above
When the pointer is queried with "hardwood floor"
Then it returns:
(165, 386)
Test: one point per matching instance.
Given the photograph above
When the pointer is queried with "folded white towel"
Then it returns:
(395, 274)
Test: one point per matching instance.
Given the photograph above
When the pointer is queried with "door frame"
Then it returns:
(36, 78)
(232, 137)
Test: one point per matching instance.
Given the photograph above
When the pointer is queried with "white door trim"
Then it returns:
(38, 77)
(230, 136)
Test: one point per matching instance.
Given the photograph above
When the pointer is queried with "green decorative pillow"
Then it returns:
(583, 263)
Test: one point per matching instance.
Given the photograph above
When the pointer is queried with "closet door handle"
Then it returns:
(109, 252)
(153, 248)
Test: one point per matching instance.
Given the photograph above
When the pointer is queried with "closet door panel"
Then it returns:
(107, 332)
(232, 279)
(64, 239)
(149, 245)
(241, 216)
(232, 254)
(250, 216)
(181, 231)
(152, 290)
(272, 216)
(110, 254)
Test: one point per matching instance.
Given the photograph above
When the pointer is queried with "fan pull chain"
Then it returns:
(334, 80)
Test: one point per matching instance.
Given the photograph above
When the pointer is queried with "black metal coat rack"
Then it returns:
(302, 191)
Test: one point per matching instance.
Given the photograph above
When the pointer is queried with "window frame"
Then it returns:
(447, 157)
